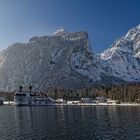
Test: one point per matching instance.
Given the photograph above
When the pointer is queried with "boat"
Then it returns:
(29, 99)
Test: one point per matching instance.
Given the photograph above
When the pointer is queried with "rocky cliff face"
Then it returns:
(123, 58)
(65, 60)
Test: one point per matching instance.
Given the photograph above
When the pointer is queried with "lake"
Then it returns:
(70, 123)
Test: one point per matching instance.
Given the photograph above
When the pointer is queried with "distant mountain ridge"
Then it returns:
(66, 61)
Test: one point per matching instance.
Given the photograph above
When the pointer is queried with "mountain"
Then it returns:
(63, 60)
(66, 61)
(123, 58)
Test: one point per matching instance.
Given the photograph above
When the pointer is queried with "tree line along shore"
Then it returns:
(123, 93)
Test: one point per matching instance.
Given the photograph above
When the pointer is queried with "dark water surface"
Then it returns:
(69, 123)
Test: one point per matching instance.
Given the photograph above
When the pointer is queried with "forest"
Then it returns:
(122, 93)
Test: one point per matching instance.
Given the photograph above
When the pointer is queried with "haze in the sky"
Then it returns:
(104, 20)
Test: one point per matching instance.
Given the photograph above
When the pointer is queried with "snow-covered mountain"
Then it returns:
(123, 58)
(66, 61)
(63, 60)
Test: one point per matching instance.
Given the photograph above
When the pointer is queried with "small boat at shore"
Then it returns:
(29, 99)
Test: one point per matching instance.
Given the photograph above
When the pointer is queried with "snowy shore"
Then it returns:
(105, 104)
(85, 104)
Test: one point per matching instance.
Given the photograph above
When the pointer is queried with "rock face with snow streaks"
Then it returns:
(123, 58)
(63, 60)
(66, 61)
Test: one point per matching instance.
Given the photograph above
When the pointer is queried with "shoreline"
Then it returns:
(11, 103)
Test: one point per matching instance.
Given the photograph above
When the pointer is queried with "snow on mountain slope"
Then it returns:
(66, 61)
(63, 60)
(123, 58)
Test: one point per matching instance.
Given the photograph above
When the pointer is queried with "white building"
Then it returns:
(113, 102)
(100, 99)
(26, 98)
(86, 100)
(60, 101)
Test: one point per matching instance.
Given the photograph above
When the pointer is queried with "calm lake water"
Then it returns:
(69, 123)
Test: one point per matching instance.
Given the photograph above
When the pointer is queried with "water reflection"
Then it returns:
(69, 122)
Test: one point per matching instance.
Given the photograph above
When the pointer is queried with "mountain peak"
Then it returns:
(60, 31)
(65, 61)
(138, 27)
(132, 33)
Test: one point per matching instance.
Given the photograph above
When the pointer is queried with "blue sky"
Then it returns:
(104, 20)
